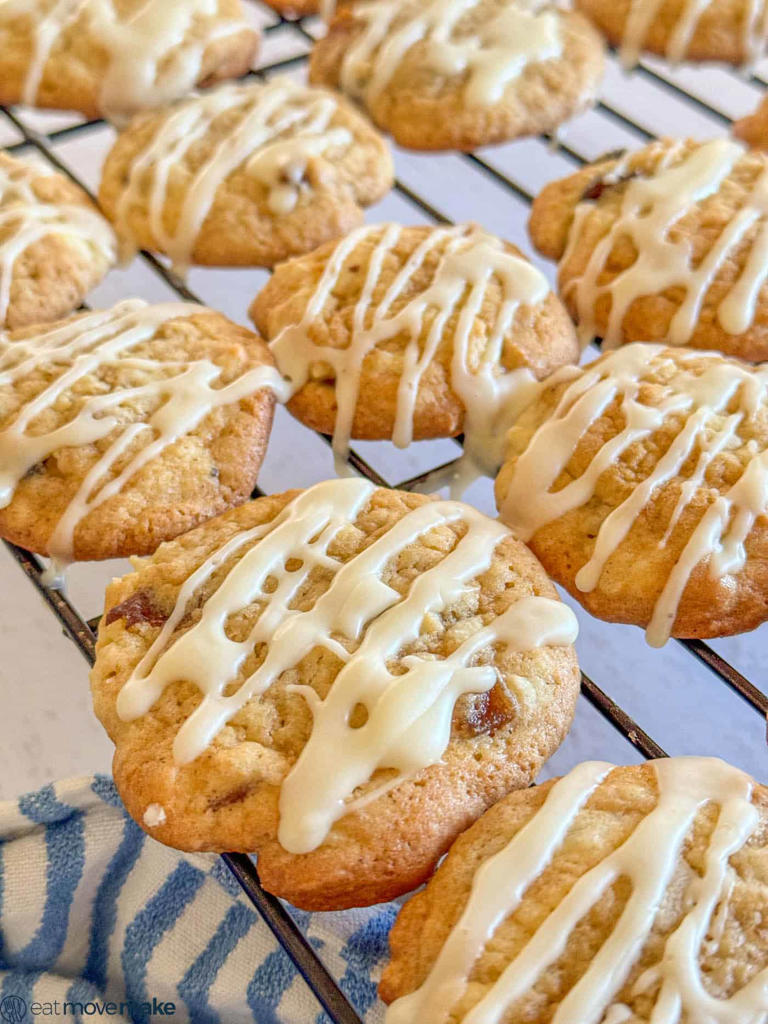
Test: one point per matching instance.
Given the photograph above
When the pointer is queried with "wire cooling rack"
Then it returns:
(688, 705)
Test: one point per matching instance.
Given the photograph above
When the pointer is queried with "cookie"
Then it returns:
(114, 57)
(339, 679)
(753, 129)
(244, 175)
(456, 74)
(725, 30)
(122, 428)
(619, 895)
(54, 244)
(668, 243)
(411, 333)
(641, 482)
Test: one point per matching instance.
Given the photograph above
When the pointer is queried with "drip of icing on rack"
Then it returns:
(25, 219)
(154, 55)
(469, 262)
(650, 208)
(491, 56)
(408, 724)
(280, 127)
(710, 427)
(648, 859)
(187, 392)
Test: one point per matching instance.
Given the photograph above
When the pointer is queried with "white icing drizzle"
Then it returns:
(25, 219)
(79, 347)
(327, 9)
(364, 623)
(643, 13)
(55, 574)
(617, 1014)
(469, 262)
(155, 54)
(279, 128)
(707, 427)
(650, 208)
(491, 57)
(648, 859)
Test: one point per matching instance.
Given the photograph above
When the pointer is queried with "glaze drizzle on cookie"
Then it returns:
(25, 219)
(651, 206)
(710, 427)
(187, 392)
(647, 859)
(643, 13)
(154, 55)
(361, 621)
(274, 130)
(469, 261)
(491, 55)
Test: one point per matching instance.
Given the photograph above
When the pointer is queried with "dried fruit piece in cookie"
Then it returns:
(345, 679)
(455, 74)
(245, 174)
(669, 243)
(114, 57)
(641, 482)
(124, 427)
(613, 894)
(413, 332)
(726, 30)
(54, 244)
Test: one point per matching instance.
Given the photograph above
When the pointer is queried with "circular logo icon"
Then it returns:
(13, 1009)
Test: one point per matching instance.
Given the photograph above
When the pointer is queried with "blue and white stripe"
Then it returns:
(91, 909)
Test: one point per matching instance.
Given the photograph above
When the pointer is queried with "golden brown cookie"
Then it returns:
(456, 75)
(54, 244)
(411, 333)
(753, 129)
(667, 244)
(245, 174)
(725, 30)
(114, 57)
(122, 428)
(339, 679)
(619, 895)
(641, 483)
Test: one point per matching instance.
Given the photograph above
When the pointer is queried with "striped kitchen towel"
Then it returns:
(96, 915)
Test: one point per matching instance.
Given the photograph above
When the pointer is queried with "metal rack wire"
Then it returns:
(570, 150)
